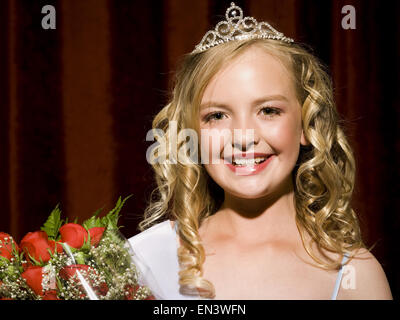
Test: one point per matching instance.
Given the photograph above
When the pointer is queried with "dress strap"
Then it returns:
(339, 277)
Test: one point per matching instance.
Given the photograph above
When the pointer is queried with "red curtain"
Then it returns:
(77, 101)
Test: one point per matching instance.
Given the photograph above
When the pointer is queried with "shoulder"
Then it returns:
(369, 281)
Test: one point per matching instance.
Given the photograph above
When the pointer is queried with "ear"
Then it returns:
(303, 140)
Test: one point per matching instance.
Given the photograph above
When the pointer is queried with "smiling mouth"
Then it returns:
(248, 160)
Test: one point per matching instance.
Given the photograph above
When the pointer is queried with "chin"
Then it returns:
(258, 188)
(245, 192)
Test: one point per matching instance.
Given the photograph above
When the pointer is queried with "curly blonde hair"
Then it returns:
(323, 176)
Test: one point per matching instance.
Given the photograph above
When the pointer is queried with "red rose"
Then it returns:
(50, 295)
(26, 265)
(130, 292)
(95, 235)
(73, 234)
(6, 245)
(34, 276)
(37, 244)
(69, 271)
(56, 245)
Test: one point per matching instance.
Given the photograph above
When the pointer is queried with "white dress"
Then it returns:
(155, 256)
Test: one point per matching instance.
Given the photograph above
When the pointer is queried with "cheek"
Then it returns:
(285, 135)
(212, 145)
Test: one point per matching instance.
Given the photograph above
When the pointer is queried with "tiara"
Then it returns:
(238, 28)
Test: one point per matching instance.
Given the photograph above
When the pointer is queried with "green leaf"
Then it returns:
(15, 251)
(4, 261)
(93, 221)
(12, 270)
(97, 212)
(35, 262)
(60, 286)
(80, 258)
(86, 245)
(111, 219)
(53, 223)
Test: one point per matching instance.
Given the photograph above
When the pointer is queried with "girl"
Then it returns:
(266, 215)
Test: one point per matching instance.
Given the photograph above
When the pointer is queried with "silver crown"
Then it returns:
(238, 28)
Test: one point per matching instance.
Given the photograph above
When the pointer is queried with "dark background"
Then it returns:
(76, 102)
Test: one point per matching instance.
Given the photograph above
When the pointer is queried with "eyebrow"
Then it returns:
(275, 97)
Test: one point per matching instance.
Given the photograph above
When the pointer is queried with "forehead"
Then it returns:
(253, 73)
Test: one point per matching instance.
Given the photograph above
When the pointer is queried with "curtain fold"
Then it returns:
(32, 128)
(86, 107)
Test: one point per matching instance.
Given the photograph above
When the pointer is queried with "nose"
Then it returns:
(244, 139)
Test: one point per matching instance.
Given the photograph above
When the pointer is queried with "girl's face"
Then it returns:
(254, 91)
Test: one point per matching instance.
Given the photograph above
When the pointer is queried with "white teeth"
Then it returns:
(247, 162)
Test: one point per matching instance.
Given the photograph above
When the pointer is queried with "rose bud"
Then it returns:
(6, 245)
(73, 234)
(36, 245)
(34, 276)
(95, 235)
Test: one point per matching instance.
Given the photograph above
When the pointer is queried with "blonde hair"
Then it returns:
(323, 177)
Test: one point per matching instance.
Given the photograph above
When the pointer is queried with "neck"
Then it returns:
(268, 218)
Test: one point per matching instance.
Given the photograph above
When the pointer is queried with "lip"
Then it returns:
(247, 156)
(250, 170)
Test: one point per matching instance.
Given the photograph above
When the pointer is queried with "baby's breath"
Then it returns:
(107, 268)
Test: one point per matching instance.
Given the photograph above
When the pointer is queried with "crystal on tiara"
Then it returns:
(238, 28)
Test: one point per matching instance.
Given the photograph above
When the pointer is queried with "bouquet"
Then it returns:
(71, 261)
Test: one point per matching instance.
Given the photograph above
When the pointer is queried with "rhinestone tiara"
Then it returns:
(238, 28)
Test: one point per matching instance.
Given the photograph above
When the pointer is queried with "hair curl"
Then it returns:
(323, 177)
